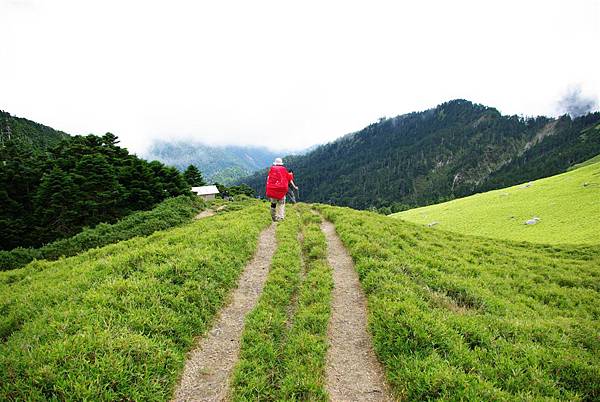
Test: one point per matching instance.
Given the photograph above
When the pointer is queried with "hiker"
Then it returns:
(277, 187)
(290, 194)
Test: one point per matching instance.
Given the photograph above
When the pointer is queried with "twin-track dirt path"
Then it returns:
(353, 372)
(209, 366)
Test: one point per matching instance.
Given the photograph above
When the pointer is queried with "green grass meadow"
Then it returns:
(458, 317)
(115, 323)
(568, 206)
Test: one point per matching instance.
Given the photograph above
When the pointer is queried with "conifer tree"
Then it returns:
(56, 214)
(193, 176)
(98, 193)
(142, 188)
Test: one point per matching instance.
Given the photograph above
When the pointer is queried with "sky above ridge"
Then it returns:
(284, 74)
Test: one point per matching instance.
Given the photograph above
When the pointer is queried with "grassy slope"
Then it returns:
(115, 323)
(460, 317)
(568, 209)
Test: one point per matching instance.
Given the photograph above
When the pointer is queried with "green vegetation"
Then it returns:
(303, 358)
(456, 149)
(456, 317)
(567, 143)
(193, 176)
(256, 374)
(170, 213)
(284, 343)
(234, 191)
(115, 323)
(568, 206)
(52, 193)
(35, 135)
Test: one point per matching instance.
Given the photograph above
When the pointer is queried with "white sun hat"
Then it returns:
(278, 161)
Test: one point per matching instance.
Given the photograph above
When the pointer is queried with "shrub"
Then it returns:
(170, 213)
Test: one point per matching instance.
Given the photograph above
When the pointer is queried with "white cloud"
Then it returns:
(284, 74)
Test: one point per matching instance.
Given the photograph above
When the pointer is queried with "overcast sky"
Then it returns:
(284, 74)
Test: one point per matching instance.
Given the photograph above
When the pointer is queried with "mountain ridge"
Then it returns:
(38, 136)
(222, 164)
(449, 151)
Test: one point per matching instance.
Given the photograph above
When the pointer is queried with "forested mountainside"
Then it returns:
(52, 185)
(34, 134)
(569, 142)
(224, 165)
(453, 150)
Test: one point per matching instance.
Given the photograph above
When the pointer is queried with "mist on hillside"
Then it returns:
(575, 103)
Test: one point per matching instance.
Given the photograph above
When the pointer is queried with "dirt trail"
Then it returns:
(205, 214)
(353, 371)
(209, 366)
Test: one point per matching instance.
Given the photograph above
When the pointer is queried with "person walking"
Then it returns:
(290, 194)
(277, 187)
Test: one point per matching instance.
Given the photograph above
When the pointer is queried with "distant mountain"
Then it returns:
(456, 149)
(29, 132)
(224, 164)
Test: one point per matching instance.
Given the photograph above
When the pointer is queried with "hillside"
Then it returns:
(567, 205)
(115, 323)
(223, 165)
(456, 317)
(456, 149)
(34, 134)
(450, 317)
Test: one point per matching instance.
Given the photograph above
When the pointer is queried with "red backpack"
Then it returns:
(277, 182)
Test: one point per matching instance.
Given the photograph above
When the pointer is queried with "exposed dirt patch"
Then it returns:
(443, 300)
(209, 366)
(205, 214)
(353, 371)
(547, 130)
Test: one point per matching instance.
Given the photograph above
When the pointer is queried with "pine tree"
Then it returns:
(99, 192)
(142, 188)
(55, 206)
(171, 181)
(193, 176)
(20, 171)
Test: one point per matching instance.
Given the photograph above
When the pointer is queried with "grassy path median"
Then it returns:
(283, 355)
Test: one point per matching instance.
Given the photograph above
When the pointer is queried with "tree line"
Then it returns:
(53, 192)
